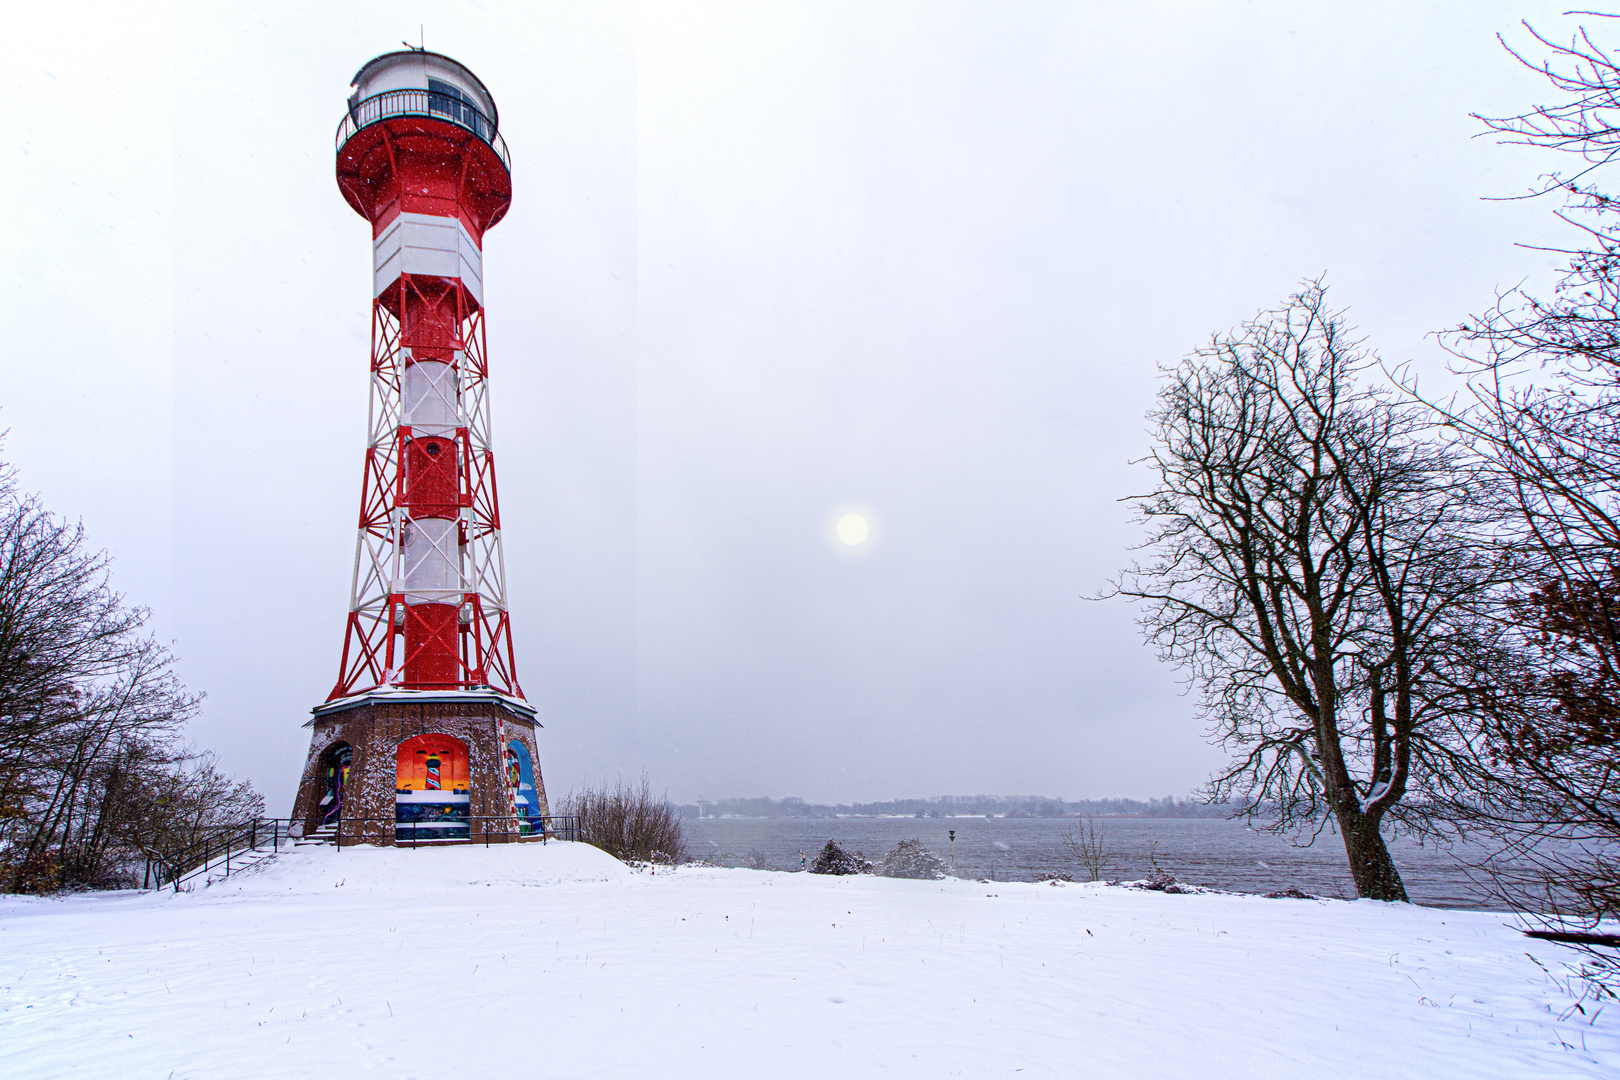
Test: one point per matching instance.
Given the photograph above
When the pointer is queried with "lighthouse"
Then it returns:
(426, 736)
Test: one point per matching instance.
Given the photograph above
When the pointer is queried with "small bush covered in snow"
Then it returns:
(835, 860)
(1164, 882)
(910, 859)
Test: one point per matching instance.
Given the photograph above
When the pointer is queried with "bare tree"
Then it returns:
(166, 810)
(1087, 844)
(1312, 574)
(1543, 424)
(132, 712)
(92, 773)
(60, 624)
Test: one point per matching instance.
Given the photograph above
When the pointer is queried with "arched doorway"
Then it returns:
(431, 800)
(334, 776)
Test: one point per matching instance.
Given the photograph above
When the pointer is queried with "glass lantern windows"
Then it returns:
(445, 99)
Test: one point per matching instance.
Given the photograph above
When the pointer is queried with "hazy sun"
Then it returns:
(852, 529)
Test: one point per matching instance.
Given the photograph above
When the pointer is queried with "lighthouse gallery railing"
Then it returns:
(429, 103)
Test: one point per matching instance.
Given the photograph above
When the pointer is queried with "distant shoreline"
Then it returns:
(688, 814)
(948, 807)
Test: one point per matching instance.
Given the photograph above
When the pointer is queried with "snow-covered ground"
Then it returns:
(557, 961)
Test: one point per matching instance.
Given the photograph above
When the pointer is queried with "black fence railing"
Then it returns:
(412, 102)
(469, 829)
(218, 849)
(230, 847)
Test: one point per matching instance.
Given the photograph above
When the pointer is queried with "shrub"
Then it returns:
(628, 822)
(910, 859)
(1086, 844)
(835, 860)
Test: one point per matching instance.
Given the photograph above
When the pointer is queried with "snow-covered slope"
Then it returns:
(557, 961)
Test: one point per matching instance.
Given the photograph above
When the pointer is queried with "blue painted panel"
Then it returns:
(528, 799)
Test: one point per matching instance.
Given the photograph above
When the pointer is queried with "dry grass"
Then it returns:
(628, 822)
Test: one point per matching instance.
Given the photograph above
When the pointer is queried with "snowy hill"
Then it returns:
(558, 961)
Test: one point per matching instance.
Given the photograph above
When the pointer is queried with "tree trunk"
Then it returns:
(1374, 871)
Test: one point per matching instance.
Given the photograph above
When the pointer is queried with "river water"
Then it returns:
(1202, 851)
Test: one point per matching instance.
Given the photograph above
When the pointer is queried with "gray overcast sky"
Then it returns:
(764, 263)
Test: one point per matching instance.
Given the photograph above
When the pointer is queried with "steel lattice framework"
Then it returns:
(383, 639)
(426, 737)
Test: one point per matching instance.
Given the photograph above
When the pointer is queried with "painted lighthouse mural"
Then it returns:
(426, 735)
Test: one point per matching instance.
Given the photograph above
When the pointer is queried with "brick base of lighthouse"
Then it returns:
(365, 748)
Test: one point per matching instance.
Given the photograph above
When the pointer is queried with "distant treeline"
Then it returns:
(1013, 806)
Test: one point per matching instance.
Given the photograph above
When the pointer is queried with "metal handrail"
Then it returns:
(552, 827)
(229, 841)
(429, 103)
(225, 841)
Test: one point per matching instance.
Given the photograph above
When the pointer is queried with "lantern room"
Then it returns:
(465, 99)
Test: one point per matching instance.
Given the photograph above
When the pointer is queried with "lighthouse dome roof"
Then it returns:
(411, 69)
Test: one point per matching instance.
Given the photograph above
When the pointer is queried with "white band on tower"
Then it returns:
(429, 245)
(432, 399)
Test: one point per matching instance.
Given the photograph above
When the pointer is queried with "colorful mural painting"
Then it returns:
(432, 763)
(336, 767)
(430, 789)
(520, 770)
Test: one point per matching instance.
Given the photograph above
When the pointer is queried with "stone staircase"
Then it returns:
(216, 871)
(220, 852)
(326, 834)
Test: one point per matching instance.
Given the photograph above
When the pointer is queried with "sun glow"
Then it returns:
(853, 529)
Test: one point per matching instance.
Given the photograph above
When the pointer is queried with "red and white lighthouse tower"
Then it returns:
(426, 733)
